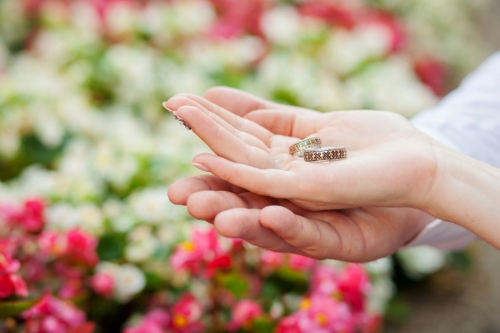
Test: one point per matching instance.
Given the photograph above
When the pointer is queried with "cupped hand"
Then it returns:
(355, 235)
(389, 162)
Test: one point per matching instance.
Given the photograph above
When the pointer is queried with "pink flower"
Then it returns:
(333, 13)
(203, 252)
(324, 280)
(223, 261)
(354, 284)
(155, 321)
(290, 324)
(33, 215)
(187, 257)
(10, 282)
(186, 315)
(103, 284)
(52, 315)
(30, 216)
(395, 27)
(63, 269)
(81, 247)
(104, 7)
(237, 17)
(272, 259)
(319, 314)
(433, 73)
(52, 243)
(71, 288)
(301, 263)
(244, 312)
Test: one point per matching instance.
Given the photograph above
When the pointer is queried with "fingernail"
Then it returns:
(166, 107)
(182, 121)
(200, 166)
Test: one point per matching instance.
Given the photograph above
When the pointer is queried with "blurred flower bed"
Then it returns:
(89, 241)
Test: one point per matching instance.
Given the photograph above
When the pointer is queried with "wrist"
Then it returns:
(466, 192)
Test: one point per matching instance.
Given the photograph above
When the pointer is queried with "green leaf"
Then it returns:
(398, 310)
(111, 246)
(15, 308)
(461, 261)
(237, 284)
(154, 281)
(263, 325)
(291, 275)
(270, 290)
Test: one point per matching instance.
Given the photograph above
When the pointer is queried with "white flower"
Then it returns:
(91, 218)
(191, 17)
(422, 260)
(49, 128)
(347, 49)
(10, 142)
(167, 234)
(37, 181)
(121, 17)
(391, 86)
(381, 292)
(136, 70)
(129, 280)
(380, 267)
(125, 168)
(141, 251)
(150, 205)
(85, 18)
(122, 223)
(281, 25)
(62, 216)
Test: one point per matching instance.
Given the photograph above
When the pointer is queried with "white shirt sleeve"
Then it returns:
(467, 120)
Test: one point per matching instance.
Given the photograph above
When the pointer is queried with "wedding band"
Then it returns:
(299, 148)
(325, 154)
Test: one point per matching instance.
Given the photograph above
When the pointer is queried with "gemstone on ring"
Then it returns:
(298, 148)
(325, 154)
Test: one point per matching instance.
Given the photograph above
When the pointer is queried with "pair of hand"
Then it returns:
(260, 193)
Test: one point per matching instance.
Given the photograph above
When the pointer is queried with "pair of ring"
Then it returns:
(312, 151)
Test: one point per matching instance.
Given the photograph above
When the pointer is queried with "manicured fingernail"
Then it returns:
(182, 121)
(166, 107)
(200, 166)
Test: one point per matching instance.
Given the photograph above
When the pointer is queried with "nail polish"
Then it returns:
(200, 166)
(182, 121)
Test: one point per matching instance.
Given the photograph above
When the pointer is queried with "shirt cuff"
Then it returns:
(443, 236)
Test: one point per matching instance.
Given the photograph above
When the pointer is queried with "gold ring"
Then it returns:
(326, 154)
(299, 148)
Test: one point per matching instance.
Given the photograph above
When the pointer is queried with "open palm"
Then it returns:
(357, 234)
(389, 163)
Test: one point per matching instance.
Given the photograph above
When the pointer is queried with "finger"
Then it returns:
(244, 223)
(206, 205)
(314, 237)
(237, 101)
(267, 182)
(239, 123)
(224, 143)
(287, 123)
(241, 103)
(181, 190)
(179, 101)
